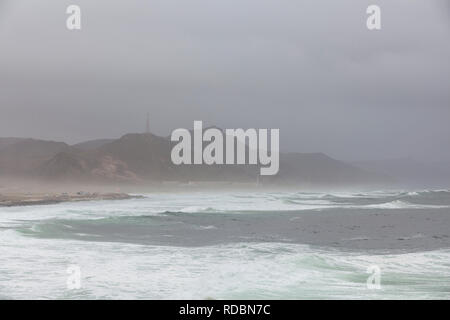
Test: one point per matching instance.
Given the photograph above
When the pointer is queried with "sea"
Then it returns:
(217, 245)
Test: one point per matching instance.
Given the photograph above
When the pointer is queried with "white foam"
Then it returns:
(36, 268)
(398, 204)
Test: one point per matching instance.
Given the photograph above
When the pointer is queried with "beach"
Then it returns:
(33, 199)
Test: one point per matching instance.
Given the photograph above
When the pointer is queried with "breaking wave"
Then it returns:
(189, 246)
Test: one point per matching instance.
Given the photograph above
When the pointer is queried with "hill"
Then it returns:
(140, 158)
(318, 169)
(25, 155)
(92, 144)
(5, 142)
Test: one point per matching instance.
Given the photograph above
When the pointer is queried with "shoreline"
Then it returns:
(33, 199)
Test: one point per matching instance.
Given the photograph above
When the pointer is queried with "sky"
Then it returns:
(310, 68)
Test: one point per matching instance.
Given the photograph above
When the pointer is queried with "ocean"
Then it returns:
(231, 245)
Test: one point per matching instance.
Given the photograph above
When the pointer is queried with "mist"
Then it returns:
(309, 68)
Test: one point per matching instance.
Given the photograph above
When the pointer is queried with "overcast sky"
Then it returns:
(310, 68)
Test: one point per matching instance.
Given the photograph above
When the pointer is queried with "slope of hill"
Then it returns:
(136, 158)
(92, 144)
(5, 142)
(24, 156)
(319, 169)
(147, 155)
(411, 172)
(77, 166)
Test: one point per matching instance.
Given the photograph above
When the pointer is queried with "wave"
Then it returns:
(232, 271)
(379, 199)
(398, 204)
(194, 209)
(230, 203)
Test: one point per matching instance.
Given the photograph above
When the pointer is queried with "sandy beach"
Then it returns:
(32, 199)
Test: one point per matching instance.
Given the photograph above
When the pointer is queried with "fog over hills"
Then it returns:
(92, 144)
(24, 156)
(4, 142)
(137, 159)
(309, 68)
(411, 172)
(311, 169)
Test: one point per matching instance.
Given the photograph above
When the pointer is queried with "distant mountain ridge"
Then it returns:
(140, 158)
(411, 172)
(311, 169)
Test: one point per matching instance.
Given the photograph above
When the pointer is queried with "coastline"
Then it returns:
(32, 199)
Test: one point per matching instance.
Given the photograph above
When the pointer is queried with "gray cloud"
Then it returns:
(310, 68)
